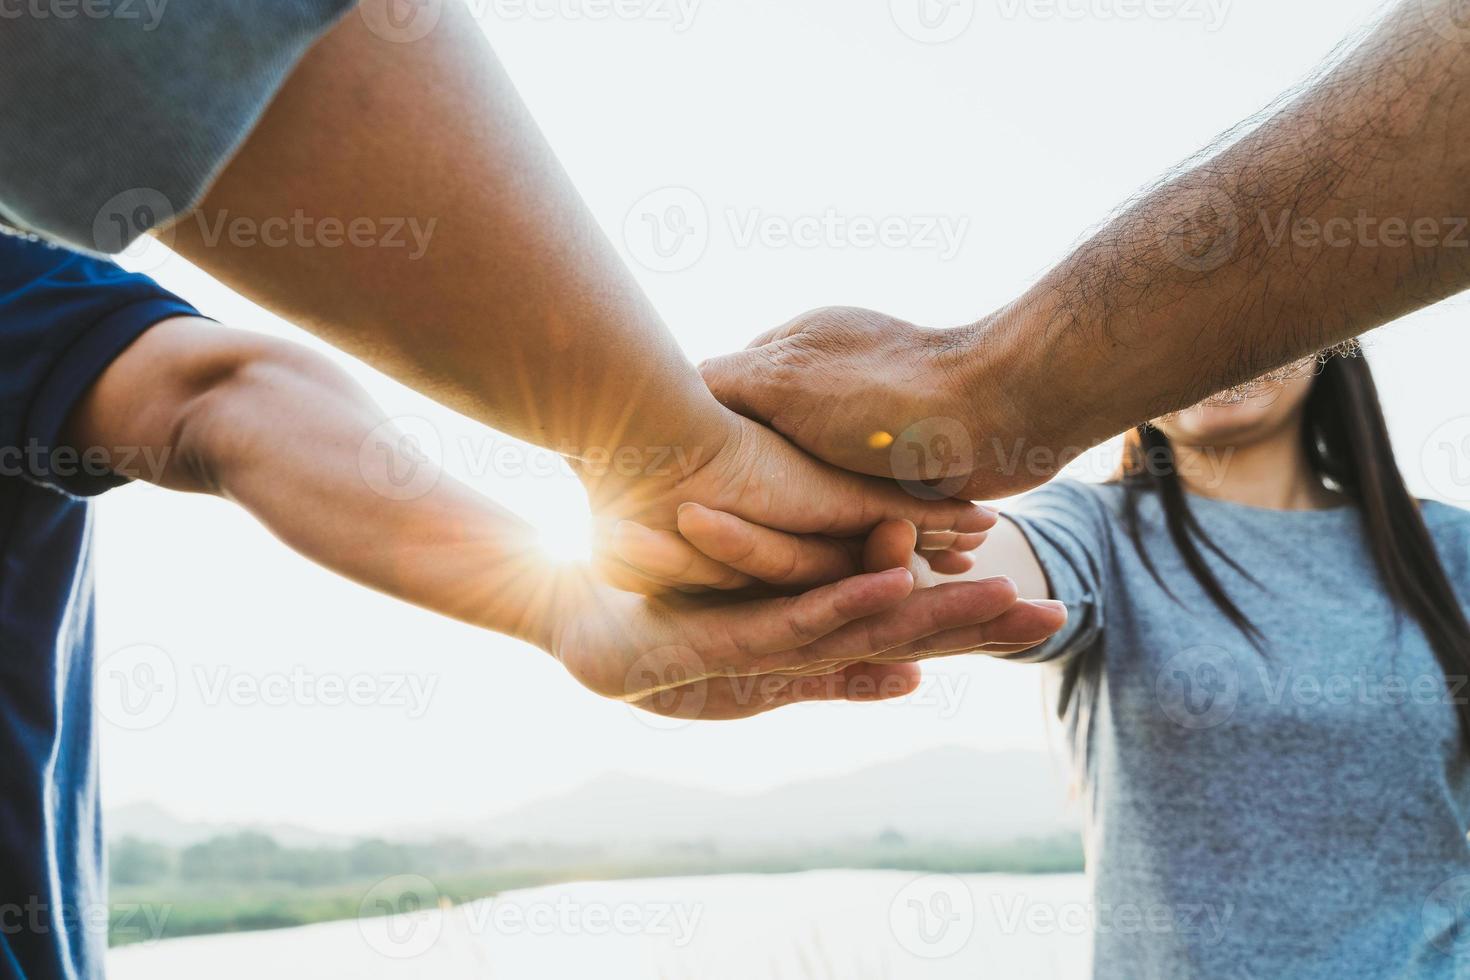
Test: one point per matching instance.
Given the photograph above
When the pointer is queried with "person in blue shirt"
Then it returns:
(107, 377)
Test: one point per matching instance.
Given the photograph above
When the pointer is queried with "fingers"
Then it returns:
(721, 551)
(891, 545)
(665, 556)
(742, 636)
(766, 480)
(770, 556)
(1025, 625)
(877, 500)
(925, 613)
(793, 560)
(950, 541)
(950, 562)
(633, 579)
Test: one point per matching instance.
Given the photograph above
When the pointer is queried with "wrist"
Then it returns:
(1027, 416)
(622, 478)
(983, 367)
(535, 600)
(502, 579)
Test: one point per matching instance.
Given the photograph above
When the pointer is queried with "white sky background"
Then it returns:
(1030, 126)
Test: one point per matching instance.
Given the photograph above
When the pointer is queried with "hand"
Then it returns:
(877, 395)
(756, 474)
(728, 699)
(729, 541)
(716, 550)
(717, 659)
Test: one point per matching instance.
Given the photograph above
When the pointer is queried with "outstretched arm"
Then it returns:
(512, 307)
(283, 432)
(1340, 209)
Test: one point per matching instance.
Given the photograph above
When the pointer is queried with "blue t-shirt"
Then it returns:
(63, 318)
(1297, 809)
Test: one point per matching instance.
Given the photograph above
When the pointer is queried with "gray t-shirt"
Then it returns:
(119, 114)
(1294, 813)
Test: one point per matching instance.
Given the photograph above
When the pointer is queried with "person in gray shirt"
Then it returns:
(1264, 677)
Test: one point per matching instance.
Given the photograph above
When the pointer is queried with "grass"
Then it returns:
(175, 907)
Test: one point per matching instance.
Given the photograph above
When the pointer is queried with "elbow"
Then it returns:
(237, 399)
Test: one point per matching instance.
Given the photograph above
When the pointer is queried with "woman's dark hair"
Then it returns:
(1347, 445)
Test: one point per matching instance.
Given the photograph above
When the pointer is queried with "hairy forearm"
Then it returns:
(1342, 208)
(506, 301)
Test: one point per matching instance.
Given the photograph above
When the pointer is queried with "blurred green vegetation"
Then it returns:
(249, 881)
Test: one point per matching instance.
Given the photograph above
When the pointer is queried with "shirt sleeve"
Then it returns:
(120, 115)
(63, 318)
(1068, 526)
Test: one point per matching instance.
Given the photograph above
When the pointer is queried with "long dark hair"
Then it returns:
(1347, 445)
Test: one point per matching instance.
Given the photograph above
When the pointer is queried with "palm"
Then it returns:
(722, 657)
(715, 659)
(730, 698)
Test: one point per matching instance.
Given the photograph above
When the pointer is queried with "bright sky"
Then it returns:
(995, 150)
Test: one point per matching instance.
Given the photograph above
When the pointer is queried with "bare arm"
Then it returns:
(284, 433)
(287, 435)
(1342, 208)
(507, 303)
(509, 283)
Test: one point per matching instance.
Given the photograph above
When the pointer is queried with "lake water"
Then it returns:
(826, 925)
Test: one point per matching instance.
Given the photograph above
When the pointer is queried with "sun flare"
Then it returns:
(568, 540)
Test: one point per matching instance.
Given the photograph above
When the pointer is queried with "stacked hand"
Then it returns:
(855, 639)
(853, 387)
(1010, 624)
(527, 320)
(749, 471)
(874, 394)
(725, 553)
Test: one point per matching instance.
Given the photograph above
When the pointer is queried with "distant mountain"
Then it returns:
(150, 822)
(949, 794)
(944, 794)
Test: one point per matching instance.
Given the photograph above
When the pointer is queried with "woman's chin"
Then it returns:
(1216, 425)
